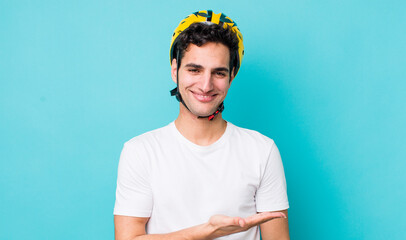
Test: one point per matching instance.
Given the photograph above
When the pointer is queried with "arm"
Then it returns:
(133, 228)
(126, 227)
(277, 229)
(272, 195)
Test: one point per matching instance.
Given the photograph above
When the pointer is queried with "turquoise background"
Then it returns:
(324, 79)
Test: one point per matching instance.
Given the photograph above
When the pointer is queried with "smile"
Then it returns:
(203, 97)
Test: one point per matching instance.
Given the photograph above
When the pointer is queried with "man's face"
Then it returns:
(204, 77)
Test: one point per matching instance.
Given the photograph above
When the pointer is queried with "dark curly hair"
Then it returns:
(201, 33)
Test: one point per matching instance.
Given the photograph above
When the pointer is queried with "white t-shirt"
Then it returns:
(179, 184)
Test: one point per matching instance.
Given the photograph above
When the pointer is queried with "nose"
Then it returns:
(207, 82)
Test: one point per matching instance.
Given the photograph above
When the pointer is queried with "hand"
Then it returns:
(223, 225)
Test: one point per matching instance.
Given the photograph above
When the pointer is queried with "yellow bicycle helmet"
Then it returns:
(208, 16)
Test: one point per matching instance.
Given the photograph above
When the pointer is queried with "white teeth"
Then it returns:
(204, 97)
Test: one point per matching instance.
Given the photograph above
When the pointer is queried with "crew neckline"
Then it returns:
(218, 143)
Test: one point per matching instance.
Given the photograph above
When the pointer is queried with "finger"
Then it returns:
(263, 217)
(276, 214)
(221, 220)
(233, 221)
(266, 215)
(241, 222)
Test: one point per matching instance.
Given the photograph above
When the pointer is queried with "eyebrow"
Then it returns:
(221, 69)
(193, 65)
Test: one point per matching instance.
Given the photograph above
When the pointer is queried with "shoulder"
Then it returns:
(253, 137)
(150, 138)
(138, 151)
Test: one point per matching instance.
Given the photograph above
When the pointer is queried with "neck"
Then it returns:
(200, 131)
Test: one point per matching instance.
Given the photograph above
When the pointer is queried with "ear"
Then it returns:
(232, 76)
(174, 70)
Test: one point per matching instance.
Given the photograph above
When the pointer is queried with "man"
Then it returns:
(201, 177)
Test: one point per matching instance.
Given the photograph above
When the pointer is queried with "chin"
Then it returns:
(207, 113)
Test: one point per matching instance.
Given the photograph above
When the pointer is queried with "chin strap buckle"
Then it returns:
(211, 117)
(219, 110)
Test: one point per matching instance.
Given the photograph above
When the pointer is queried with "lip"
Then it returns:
(201, 97)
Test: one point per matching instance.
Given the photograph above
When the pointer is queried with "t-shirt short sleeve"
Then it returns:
(133, 194)
(271, 194)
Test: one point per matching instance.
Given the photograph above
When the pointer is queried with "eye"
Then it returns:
(221, 74)
(193, 70)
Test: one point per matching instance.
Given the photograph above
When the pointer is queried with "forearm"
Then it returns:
(199, 232)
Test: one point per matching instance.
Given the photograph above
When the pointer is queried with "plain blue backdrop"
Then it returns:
(324, 79)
